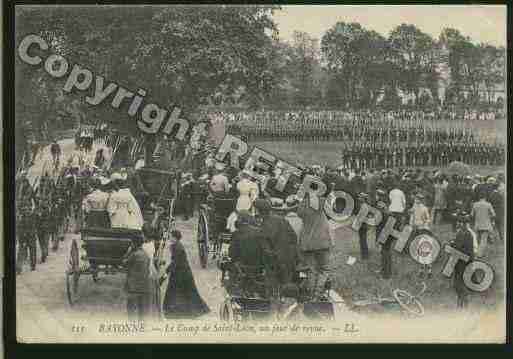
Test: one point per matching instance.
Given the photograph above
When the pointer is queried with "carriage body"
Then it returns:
(157, 186)
(213, 237)
(97, 250)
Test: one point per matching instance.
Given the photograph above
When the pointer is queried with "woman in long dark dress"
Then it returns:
(182, 299)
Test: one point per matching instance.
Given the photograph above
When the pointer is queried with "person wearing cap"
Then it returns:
(43, 227)
(497, 199)
(463, 242)
(25, 231)
(483, 215)
(386, 251)
(363, 198)
(397, 201)
(55, 150)
(315, 242)
(124, 211)
(440, 199)
(94, 206)
(186, 191)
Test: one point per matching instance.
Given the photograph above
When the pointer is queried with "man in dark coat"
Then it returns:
(138, 281)
(249, 254)
(43, 229)
(362, 232)
(25, 231)
(281, 239)
(464, 243)
(386, 248)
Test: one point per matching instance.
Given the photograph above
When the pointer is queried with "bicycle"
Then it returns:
(408, 302)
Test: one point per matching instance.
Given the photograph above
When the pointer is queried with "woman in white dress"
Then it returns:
(248, 192)
(124, 211)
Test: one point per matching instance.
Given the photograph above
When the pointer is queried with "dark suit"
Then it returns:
(138, 284)
(282, 241)
(386, 248)
(247, 246)
(464, 243)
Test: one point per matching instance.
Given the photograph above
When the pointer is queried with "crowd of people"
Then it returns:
(273, 229)
(423, 199)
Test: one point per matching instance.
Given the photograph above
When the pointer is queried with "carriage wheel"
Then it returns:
(408, 302)
(226, 311)
(73, 274)
(202, 240)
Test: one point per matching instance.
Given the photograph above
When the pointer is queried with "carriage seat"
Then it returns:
(108, 246)
(113, 233)
(250, 280)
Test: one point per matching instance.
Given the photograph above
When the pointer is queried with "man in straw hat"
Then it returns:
(483, 214)
(420, 220)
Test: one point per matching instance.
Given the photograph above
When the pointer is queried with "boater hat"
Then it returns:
(290, 203)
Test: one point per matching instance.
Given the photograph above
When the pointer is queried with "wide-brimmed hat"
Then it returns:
(381, 205)
(220, 166)
(290, 203)
(116, 176)
(246, 173)
(363, 195)
(462, 216)
(263, 205)
(104, 180)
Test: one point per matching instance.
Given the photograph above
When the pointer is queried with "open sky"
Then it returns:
(482, 23)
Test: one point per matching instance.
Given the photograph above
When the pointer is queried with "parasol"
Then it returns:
(458, 168)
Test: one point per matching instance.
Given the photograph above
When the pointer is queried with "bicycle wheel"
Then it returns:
(408, 302)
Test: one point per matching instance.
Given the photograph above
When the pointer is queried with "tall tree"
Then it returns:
(181, 55)
(355, 55)
(415, 48)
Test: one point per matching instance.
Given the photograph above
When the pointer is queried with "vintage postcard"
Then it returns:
(260, 174)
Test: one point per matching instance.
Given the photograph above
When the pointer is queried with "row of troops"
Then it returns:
(371, 155)
(363, 115)
(349, 132)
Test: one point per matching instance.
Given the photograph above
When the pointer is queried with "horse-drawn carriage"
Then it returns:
(249, 294)
(105, 250)
(213, 237)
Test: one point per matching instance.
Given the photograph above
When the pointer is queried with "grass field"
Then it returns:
(360, 280)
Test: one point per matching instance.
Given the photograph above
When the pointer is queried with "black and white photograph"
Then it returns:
(259, 173)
